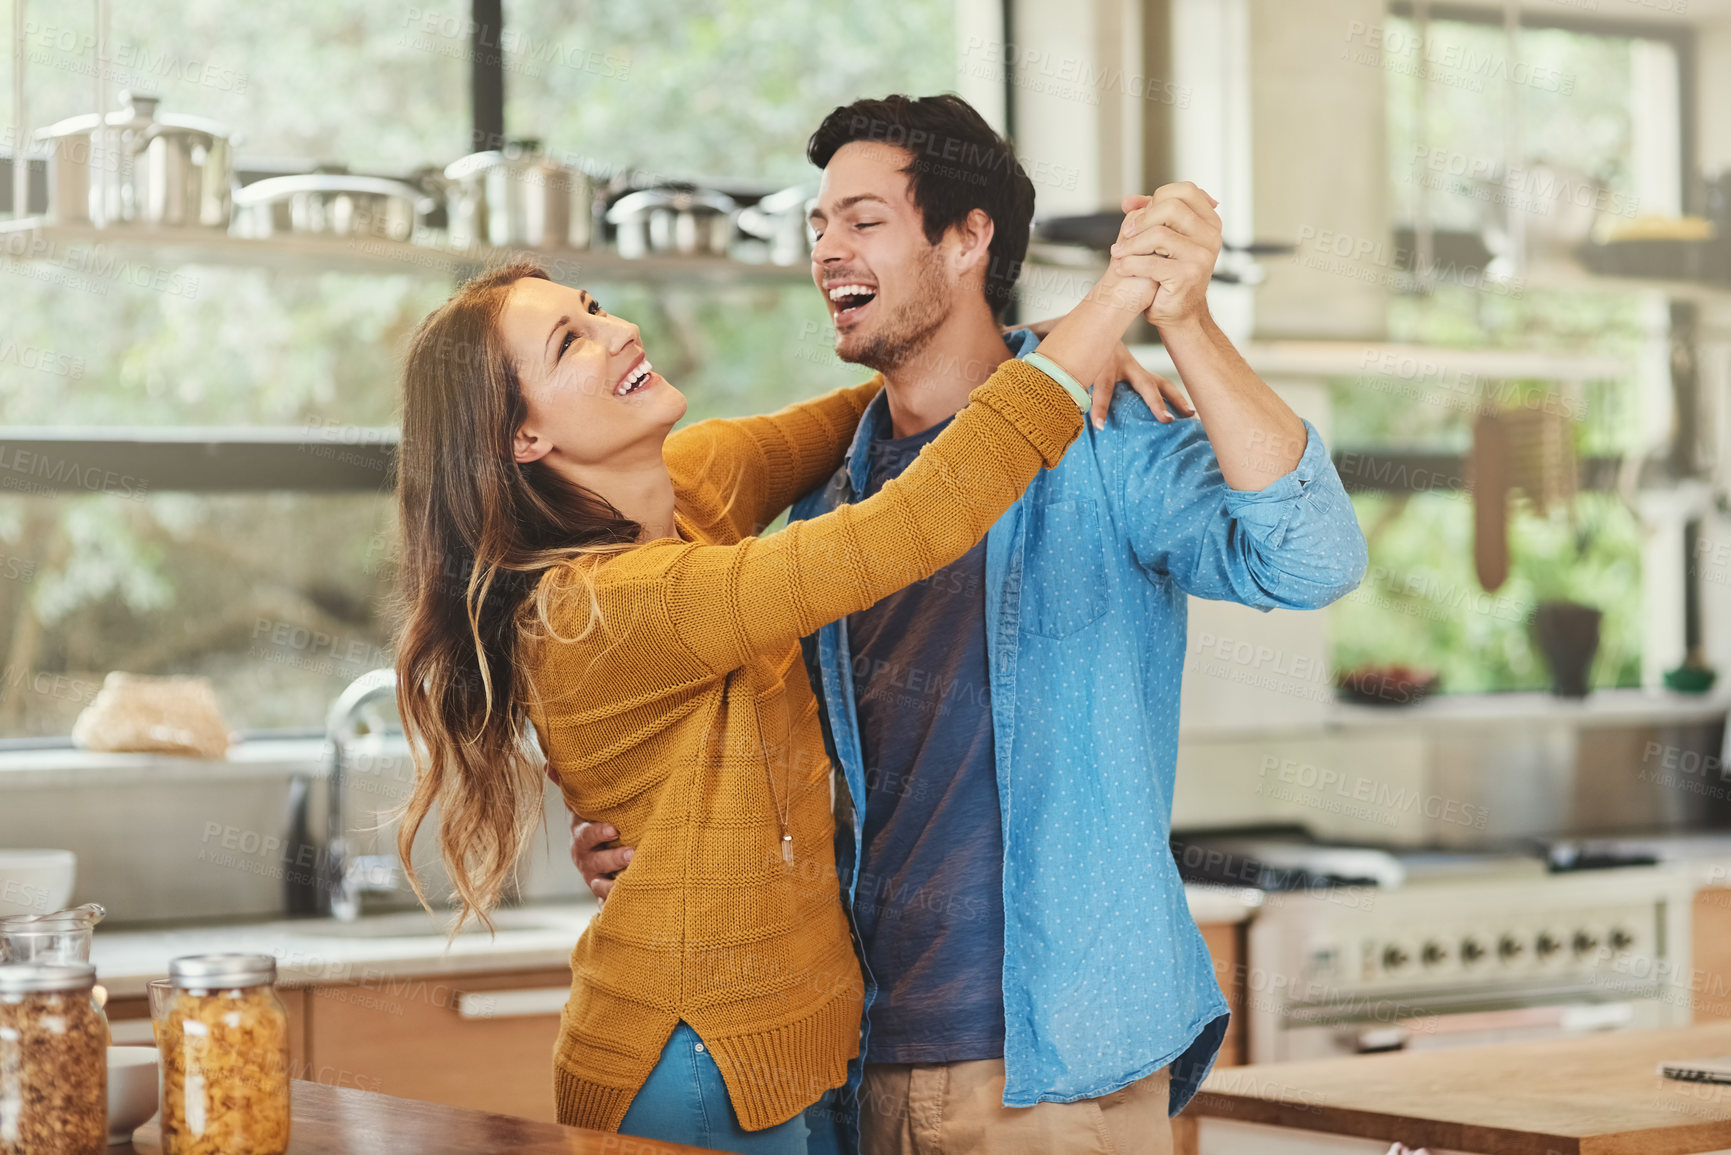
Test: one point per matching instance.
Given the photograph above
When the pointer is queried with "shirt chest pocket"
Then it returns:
(1064, 579)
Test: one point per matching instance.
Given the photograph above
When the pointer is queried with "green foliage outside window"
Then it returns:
(283, 598)
(1421, 603)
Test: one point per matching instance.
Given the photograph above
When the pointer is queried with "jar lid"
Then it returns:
(207, 971)
(21, 978)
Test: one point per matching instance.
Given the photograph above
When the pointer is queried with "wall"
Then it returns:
(1468, 772)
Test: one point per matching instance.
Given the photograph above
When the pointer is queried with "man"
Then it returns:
(1006, 731)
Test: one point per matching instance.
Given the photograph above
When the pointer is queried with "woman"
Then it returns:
(570, 565)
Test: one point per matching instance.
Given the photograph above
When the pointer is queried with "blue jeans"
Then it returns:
(685, 1101)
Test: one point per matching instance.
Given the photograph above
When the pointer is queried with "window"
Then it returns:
(281, 598)
(271, 73)
(1591, 120)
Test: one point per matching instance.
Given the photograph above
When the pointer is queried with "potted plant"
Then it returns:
(1567, 634)
(1571, 581)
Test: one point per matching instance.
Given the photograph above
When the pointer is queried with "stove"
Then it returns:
(1360, 949)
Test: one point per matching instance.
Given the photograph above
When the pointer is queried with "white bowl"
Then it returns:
(36, 881)
(132, 1088)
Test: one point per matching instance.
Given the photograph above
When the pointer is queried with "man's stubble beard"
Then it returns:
(911, 327)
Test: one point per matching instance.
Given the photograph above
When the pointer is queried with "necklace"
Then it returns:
(781, 803)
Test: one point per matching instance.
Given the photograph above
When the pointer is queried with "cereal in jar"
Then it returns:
(225, 1069)
(53, 1061)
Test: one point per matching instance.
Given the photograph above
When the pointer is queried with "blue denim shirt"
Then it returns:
(1106, 977)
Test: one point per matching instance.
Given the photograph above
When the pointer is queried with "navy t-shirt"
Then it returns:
(930, 900)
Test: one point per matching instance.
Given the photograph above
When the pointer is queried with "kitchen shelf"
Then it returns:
(94, 251)
(1628, 707)
(1422, 365)
(1600, 708)
(137, 461)
(1571, 276)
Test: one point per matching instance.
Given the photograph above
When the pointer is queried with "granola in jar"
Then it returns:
(225, 1070)
(53, 1061)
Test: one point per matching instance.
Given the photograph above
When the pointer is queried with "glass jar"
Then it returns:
(59, 938)
(53, 1061)
(224, 1044)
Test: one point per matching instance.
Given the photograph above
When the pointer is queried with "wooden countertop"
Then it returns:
(1600, 1095)
(343, 1121)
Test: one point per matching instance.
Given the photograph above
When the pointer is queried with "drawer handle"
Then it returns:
(512, 1004)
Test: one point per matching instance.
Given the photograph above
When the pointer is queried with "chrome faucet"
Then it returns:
(348, 878)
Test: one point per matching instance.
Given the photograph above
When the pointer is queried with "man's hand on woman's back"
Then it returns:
(595, 861)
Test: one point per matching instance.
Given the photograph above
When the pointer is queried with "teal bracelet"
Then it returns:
(1056, 372)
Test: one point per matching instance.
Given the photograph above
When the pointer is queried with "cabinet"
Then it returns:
(1226, 947)
(1710, 935)
(480, 1041)
(485, 1041)
(129, 1023)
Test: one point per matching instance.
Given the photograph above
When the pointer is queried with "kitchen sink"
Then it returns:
(418, 924)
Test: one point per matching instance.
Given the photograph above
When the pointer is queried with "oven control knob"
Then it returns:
(1393, 958)
(1472, 950)
(1434, 953)
(1621, 939)
(1546, 945)
(1509, 948)
(1585, 942)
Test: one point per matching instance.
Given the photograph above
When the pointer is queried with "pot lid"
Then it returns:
(275, 188)
(517, 155)
(680, 200)
(140, 114)
(791, 199)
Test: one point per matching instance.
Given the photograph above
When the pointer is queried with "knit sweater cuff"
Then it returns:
(581, 1102)
(773, 1075)
(1036, 405)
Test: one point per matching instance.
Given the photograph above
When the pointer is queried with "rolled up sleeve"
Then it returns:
(1294, 544)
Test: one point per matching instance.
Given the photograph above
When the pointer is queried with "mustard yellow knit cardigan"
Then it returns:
(685, 719)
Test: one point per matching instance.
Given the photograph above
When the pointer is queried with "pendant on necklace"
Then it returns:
(787, 849)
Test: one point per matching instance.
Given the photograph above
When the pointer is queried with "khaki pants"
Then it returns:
(958, 1109)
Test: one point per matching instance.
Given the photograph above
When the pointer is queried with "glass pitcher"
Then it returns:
(49, 939)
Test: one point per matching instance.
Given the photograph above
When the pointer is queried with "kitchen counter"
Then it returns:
(312, 951)
(343, 1121)
(409, 944)
(1210, 905)
(1599, 1095)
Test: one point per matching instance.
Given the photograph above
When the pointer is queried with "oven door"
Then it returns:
(1549, 1020)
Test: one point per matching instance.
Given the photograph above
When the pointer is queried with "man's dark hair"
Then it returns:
(956, 164)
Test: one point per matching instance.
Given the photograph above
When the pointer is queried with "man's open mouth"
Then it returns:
(847, 299)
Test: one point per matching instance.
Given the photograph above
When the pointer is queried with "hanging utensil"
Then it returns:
(1541, 456)
(1489, 468)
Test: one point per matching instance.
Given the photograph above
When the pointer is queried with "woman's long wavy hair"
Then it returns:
(479, 532)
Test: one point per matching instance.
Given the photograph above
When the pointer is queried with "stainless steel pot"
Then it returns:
(682, 221)
(779, 219)
(159, 170)
(333, 204)
(517, 197)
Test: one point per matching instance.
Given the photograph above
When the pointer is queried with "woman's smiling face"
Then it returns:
(589, 388)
